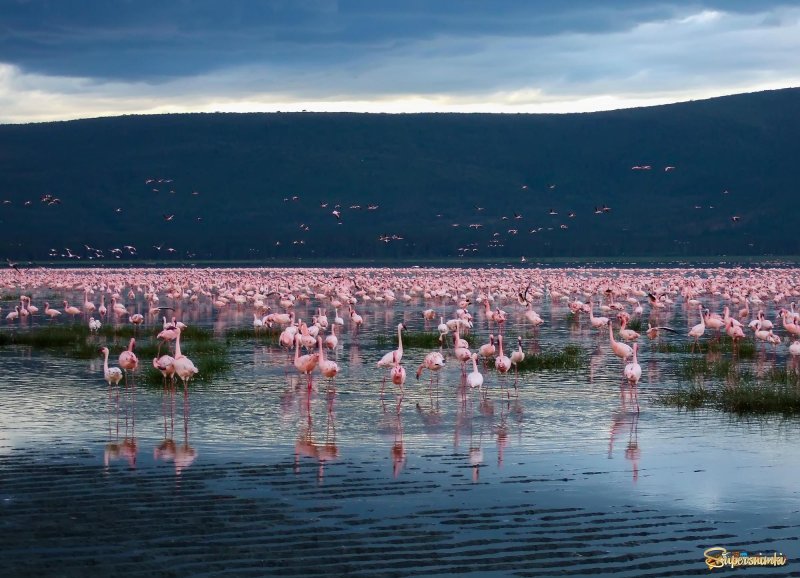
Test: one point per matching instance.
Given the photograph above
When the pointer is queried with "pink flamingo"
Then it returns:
(389, 359)
(305, 364)
(621, 350)
(502, 363)
(327, 367)
(183, 366)
(517, 357)
(127, 359)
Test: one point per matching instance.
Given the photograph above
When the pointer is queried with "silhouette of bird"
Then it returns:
(169, 217)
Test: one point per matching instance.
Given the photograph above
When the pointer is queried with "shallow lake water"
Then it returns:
(252, 474)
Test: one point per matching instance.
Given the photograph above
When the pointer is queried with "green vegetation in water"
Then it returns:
(745, 398)
(692, 397)
(776, 391)
(744, 349)
(635, 324)
(570, 357)
(268, 334)
(77, 342)
(426, 340)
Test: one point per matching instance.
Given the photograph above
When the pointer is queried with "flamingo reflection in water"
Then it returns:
(307, 445)
(126, 448)
(181, 455)
(627, 415)
(398, 447)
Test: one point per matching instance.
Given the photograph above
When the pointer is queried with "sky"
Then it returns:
(68, 59)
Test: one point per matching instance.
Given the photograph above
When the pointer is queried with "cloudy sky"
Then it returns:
(65, 59)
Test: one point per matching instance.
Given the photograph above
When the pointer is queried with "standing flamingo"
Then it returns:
(398, 374)
(184, 368)
(112, 375)
(305, 364)
(127, 359)
(327, 367)
(698, 330)
(621, 350)
(517, 357)
(475, 379)
(502, 363)
(633, 371)
(388, 359)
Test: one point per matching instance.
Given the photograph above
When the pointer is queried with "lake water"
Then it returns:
(252, 475)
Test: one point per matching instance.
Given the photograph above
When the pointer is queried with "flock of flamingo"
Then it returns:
(275, 295)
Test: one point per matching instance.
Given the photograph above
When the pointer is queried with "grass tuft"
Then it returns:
(568, 358)
(422, 340)
(746, 398)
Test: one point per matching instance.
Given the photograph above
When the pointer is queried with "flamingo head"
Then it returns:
(103, 350)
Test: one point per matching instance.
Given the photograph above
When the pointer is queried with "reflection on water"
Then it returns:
(625, 420)
(320, 446)
(181, 455)
(362, 447)
(121, 443)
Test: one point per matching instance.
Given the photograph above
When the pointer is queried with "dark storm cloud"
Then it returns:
(154, 41)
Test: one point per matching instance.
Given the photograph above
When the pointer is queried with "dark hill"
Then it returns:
(425, 173)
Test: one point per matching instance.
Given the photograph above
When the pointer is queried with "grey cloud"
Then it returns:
(153, 41)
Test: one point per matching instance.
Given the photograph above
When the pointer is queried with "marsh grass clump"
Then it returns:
(76, 341)
(693, 397)
(426, 340)
(701, 368)
(635, 324)
(744, 349)
(746, 398)
(264, 333)
(570, 357)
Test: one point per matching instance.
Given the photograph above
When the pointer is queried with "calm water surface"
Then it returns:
(251, 475)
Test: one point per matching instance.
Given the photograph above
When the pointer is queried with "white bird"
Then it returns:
(633, 371)
(112, 375)
(475, 379)
(388, 360)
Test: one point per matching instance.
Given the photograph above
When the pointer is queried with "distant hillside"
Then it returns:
(118, 180)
